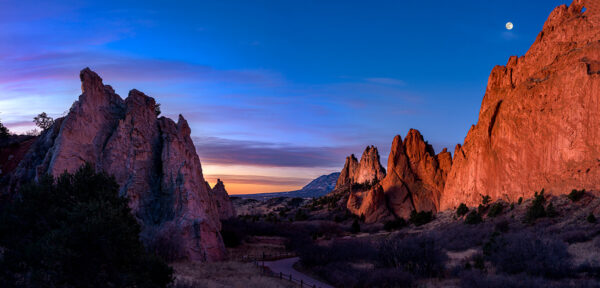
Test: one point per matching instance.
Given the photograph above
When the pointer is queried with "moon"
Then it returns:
(509, 26)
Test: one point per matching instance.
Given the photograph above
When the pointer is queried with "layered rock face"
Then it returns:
(154, 161)
(415, 180)
(370, 203)
(369, 168)
(539, 121)
(224, 205)
(416, 175)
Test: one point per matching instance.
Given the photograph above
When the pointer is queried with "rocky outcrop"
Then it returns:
(416, 175)
(224, 204)
(370, 203)
(369, 168)
(539, 121)
(154, 161)
(415, 179)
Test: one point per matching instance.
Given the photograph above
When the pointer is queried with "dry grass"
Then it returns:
(585, 252)
(258, 245)
(223, 274)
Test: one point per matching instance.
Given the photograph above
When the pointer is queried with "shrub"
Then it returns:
(520, 200)
(575, 195)
(301, 215)
(496, 210)
(536, 210)
(157, 109)
(43, 121)
(3, 131)
(525, 252)
(576, 236)
(476, 279)
(502, 226)
(394, 224)
(485, 200)
(478, 262)
(355, 228)
(233, 234)
(457, 236)
(346, 275)
(352, 250)
(165, 244)
(295, 202)
(473, 218)
(75, 231)
(591, 218)
(551, 211)
(418, 255)
(420, 218)
(462, 210)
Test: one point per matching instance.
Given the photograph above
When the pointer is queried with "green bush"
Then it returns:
(536, 210)
(301, 215)
(420, 218)
(462, 210)
(575, 195)
(473, 218)
(485, 200)
(3, 131)
(520, 200)
(75, 231)
(394, 224)
(496, 210)
(591, 218)
(551, 211)
(355, 228)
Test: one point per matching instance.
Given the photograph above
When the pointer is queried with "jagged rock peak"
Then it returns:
(536, 126)
(224, 204)
(368, 169)
(416, 176)
(90, 81)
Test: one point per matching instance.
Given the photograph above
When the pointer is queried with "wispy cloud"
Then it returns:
(64, 65)
(258, 180)
(214, 150)
(386, 81)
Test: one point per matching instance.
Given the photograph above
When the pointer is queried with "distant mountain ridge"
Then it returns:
(318, 187)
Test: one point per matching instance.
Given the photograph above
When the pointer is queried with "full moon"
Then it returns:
(509, 26)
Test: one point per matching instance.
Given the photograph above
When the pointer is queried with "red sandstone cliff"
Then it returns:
(415, 179)
(416, 175)
(153, 160)
(369, 168)
(224, 205)
(538, 123)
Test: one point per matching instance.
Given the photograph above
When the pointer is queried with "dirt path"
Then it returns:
(286, 266)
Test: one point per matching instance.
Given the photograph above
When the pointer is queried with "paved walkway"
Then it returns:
(286, 266)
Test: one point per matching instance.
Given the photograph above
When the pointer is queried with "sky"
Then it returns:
(276, 92)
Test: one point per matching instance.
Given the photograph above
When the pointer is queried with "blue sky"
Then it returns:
(276, 92)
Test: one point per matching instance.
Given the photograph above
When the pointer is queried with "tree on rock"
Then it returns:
(43, 121)
(3, 131)
(75, 231)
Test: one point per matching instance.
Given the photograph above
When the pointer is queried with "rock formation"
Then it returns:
(370, 203)
(224, 205)
(154, 161)
(416, 175)
(415, 179)
(369, 168)
(538, 123)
